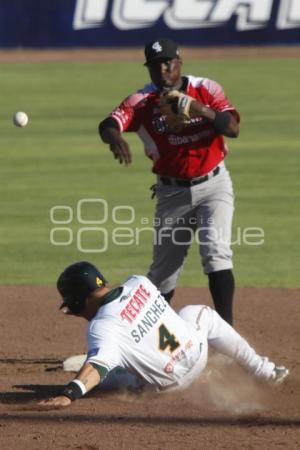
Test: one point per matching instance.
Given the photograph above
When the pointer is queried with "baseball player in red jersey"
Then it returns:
(181, 121)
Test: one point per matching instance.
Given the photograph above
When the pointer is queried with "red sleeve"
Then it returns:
(127, 114)
(217, 98)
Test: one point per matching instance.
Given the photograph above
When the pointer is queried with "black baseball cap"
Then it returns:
(76, 282)
(161, 48)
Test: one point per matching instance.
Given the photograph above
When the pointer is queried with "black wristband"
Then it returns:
(72, 391)
(221, 121)
(109, 122)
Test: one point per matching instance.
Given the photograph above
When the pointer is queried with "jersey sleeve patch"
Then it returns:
(93, 352)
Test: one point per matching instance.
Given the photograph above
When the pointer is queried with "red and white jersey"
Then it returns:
(192, 152)
(140, 332)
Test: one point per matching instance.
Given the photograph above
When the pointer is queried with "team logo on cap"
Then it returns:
(99, 282)
(157, 47)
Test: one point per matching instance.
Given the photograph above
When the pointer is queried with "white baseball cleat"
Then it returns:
(74, 363)
(279, 374)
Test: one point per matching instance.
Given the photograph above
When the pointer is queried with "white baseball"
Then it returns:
(20, 119)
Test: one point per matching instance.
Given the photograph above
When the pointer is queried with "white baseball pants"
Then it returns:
(223, 338)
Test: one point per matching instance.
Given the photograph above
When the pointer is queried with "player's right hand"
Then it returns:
(121, 150)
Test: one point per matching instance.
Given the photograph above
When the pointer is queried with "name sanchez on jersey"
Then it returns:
(136, 305)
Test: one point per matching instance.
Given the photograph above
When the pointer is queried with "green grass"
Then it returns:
(58, 159)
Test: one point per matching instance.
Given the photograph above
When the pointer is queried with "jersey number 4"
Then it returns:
(166, 339)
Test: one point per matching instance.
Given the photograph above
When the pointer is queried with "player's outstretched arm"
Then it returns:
(110, 134)
(87, 378)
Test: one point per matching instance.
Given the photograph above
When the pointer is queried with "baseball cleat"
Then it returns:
(279, 374)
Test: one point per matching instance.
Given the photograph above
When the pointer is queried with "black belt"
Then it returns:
(169, 181)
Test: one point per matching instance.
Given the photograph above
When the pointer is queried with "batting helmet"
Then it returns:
(76, 282)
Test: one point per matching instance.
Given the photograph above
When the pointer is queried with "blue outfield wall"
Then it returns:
(97, 23)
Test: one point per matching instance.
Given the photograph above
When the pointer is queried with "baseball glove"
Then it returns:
(175, 106)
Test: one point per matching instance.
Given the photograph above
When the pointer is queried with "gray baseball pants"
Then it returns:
(201, 213)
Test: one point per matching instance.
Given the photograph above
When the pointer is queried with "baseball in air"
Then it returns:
(20, 119)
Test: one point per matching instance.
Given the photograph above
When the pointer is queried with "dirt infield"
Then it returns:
(226, 409)
(136, 54)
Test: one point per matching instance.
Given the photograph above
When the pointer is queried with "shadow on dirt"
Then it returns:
(30, 361)
(38, 392)
(55, 416)
(25, 409)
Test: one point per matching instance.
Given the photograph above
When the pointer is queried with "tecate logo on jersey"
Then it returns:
(187, 14)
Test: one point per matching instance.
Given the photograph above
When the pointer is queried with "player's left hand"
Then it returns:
(55, 402)
(175, 106)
